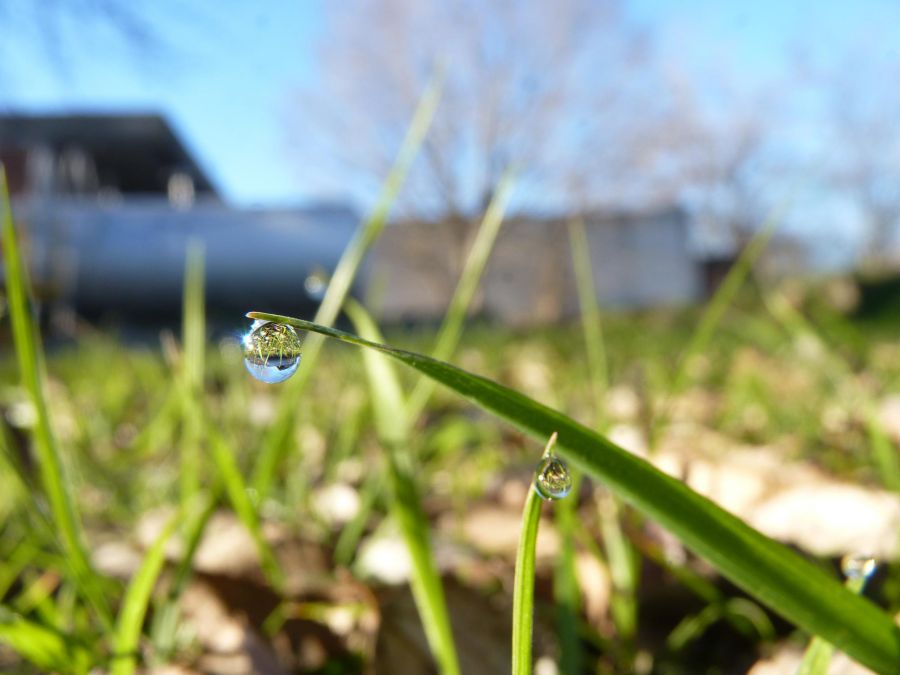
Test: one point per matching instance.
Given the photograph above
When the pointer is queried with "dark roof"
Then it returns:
(133, 146)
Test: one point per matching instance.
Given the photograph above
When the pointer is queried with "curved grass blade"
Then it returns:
(452, 326)
(137, 598)
(278, 439)
(771, 572)
(523, 588)
(56, 484)
(523, 583)
(393, 429)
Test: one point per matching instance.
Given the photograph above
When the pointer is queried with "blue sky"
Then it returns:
(229, 97)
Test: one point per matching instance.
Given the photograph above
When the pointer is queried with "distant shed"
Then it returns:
(109, 203)
(640, 259)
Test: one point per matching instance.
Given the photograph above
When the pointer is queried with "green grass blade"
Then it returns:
(165, 618)
(692, 627)
(619, 552)
(725, 295)
(134, 606)
(523, 583)
(392, 425)
(523, 588)
(278, 439)
(590, 315)
(817, 658)
(192, 367)
(818, 654)
(350, 536)
(884, 453)
(239, 496)
(620, 556)
(56, 485)
(476, 261)
(44, 647)
(771, 572)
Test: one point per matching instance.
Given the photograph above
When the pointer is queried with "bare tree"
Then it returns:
(565, 90)
(726, 173)
(62, 27)
(864, 111)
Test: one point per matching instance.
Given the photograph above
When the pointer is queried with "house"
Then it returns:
(109, 204)
(639, 259)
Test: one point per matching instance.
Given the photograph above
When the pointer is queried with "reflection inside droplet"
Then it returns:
(271, 351)
(552, 480)
(858, 565)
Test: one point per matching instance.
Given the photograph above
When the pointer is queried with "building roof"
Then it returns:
(132, 146)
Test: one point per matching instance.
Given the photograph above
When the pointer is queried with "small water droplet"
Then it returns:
(552, 480)
(315, 285)
(271, 351)
(858, 565)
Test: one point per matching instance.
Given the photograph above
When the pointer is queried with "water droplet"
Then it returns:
(858, 565)
(552, 480)
(271, 351)
(315, 285)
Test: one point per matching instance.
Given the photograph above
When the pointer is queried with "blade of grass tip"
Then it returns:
(277, 440)
(137, 598)
(818, 654)
(44, 647)
(56, 484)
(766, 569)
(393, 430)
(590, 315)
(476, 261)
(194, 338)
(523, 583)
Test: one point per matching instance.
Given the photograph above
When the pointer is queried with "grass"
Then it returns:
(56, 485)
(769, 571)
(523, 586)
(113, 435)
(452, 326)
(392, 425)
(134, 605)
(278, 438)
(819, 653)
